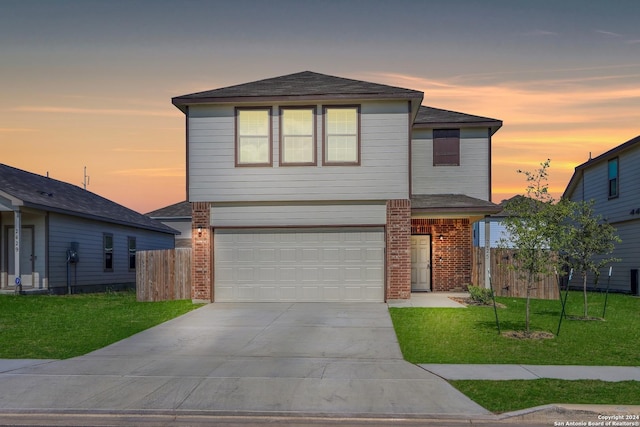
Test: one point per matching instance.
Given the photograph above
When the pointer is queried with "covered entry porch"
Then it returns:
(442, 240)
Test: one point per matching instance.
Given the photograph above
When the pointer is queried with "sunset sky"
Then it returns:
(89, 83)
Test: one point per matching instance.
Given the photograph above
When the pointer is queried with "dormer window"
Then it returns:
(342, 135)
(446, 147)
(253, 136)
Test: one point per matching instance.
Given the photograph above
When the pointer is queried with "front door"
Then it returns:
(26, 257)
(421, 263)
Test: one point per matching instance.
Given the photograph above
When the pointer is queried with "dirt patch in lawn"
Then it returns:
(469, 301)
(532, 335)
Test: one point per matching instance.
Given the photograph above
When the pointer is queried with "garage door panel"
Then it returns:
(299, 265)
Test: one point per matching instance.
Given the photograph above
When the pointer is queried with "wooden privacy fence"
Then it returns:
(505, 280)
(163, 275)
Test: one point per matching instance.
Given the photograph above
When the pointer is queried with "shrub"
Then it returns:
(480, 295)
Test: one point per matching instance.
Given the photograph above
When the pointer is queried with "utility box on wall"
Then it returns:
(72, 253)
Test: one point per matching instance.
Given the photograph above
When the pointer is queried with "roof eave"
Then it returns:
(180, 102)
(465, 210)
(99, 218)
(494, 125)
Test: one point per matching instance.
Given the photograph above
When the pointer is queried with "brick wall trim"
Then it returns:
(398, 254)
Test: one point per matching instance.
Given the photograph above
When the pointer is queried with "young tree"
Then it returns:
(588, 240)
(533, 225)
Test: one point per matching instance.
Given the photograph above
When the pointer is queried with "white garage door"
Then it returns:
(299, 265)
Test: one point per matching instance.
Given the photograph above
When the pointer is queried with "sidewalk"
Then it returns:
(533, 372)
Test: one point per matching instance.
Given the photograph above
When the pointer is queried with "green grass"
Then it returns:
(507, 396)
(453, 335)
(441, 335)
(59, 327)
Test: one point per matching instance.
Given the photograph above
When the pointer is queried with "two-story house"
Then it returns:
(310, 187)
(612, 181)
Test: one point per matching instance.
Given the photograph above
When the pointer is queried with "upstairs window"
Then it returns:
(297, 136)
(342, 135)
(446, 147)
(613, 178)
(107, 245)
(253, 136)
(131, 243)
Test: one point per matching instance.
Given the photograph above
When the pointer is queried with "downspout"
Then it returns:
(489, 165)
(187, 149)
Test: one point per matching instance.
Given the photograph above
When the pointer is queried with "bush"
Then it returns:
(480, 295)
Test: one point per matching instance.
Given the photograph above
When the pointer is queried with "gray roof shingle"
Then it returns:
(177, 210)
(44, 193)
(452, 203)
(303, 85)
(429, 117)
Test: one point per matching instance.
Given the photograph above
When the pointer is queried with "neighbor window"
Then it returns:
(342, 135)
(446, 147)
(253, 136)
(107, 244)
(297, 136)
(131, 243)
(613, 178)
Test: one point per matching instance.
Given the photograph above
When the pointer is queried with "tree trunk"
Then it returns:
(526, 322)
(584, 291)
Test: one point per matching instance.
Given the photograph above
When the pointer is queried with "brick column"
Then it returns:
(398, 249)
(201, 259)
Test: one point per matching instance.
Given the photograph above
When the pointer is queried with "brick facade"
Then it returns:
(451, 255)
(398, 230)
(202, 259)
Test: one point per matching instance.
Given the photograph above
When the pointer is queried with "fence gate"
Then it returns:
(163, 275)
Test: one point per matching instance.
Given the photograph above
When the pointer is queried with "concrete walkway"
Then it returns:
(533, 372)
(328, 359)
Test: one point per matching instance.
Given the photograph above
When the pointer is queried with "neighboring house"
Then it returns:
(499, 236)
(176, 216)
(69, 237)
(612, 180)
(309, 187)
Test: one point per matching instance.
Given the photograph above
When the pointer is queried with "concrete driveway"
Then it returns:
(271, 358)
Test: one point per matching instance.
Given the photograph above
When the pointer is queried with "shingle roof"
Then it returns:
(303, 85)
(604, 156)
(452, 203)
(40, 192)
(177, 210)
(429, 117)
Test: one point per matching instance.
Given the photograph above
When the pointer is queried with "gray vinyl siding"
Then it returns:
(593, 185)
(470, 178)
(382, 174)
(89, 270)
(298, 215)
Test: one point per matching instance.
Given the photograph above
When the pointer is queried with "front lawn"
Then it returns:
(59, 327)
(469, 335)
(507, 396)
(455, 335)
